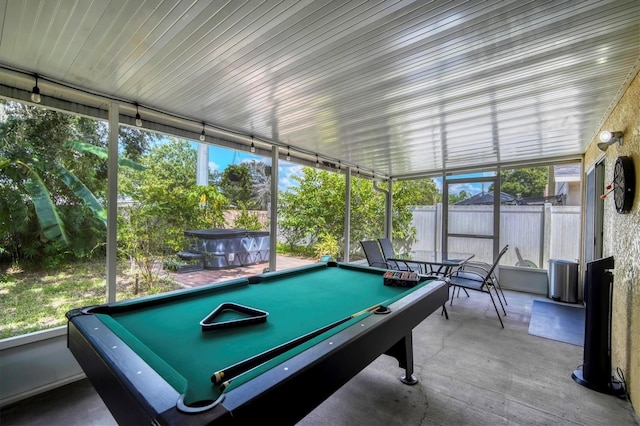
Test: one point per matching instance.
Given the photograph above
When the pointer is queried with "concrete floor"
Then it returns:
(471, 372)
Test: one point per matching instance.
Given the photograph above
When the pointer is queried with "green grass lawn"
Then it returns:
(38, 300)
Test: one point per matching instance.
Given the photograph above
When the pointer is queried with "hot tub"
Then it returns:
(227, 248)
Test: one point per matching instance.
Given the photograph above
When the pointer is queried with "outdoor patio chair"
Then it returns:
(482, 282)
(388, 252)
(482, 268)
(374, 254)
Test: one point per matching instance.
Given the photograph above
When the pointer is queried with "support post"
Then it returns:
(202, 174)
(347, 214)
(273, 216)
(112, 200)
(546, 234)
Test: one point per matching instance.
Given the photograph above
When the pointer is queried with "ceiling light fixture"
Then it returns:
(202, 136)
(288, 156)
(138, 119)
(253, 147)
(609, 138)
(35, 92)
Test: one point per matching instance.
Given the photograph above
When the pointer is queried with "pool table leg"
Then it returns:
(402, 350)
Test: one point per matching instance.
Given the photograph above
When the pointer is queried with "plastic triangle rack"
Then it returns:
(248, 316)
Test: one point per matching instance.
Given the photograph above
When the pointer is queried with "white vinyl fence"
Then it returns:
(539, 232)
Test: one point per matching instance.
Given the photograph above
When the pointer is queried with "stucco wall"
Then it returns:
(622, 240)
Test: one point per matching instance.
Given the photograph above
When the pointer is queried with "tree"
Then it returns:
(367, 212)
(261, 184)
(166, 202)
(417, 192)
(407, 193)
(48, 185)
(455, 198)
(135, 142)
(526, 182)
(248, 183)
(168, 184)
(315, 207)
(53, 174)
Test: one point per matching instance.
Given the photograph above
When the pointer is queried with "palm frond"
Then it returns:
(48, 218)
(103, 154)
(81, 191)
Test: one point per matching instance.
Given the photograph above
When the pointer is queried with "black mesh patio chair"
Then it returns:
(482, 268)
(374, 254)
(388, 252)
(482, 282)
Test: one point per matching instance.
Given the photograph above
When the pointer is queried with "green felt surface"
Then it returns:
(169, 337)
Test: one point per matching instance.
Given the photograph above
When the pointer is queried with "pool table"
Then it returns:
(153, 359)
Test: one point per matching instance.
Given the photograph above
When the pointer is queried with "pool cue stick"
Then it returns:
(249, 363)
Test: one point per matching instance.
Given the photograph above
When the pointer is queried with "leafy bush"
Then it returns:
(327, 245)
(247, 219)
(172, 265)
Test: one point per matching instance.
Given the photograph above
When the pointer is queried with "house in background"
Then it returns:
(566, 181)
(486, 198)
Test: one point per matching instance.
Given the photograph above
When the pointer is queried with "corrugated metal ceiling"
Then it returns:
(397, 87)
